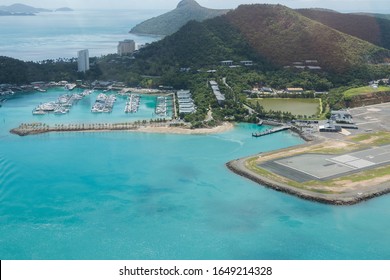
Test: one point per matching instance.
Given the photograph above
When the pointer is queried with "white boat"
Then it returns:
(38, 112)
(49, 106)
(70, 86)
(61, 111)
(101, 97)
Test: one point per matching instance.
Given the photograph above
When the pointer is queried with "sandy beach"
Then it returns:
(226, 126)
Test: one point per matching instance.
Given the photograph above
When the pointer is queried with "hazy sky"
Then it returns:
(340, 5)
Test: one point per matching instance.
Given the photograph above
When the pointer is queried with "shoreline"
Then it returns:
(165, 129)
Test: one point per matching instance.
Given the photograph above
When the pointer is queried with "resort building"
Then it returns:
(294, 90)
(126, 47)
(83, 61)
(220, 97)
(314, 68)
(227, 63)
(186, 103)
(247, 62)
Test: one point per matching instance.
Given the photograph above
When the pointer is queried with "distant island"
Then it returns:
(6, 13)
(64, 9)
(172, 21)
(21, 8)
(25, 10)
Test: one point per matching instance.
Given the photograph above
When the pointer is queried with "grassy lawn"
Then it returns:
(377, 138)
(364, 90)
(296, 106)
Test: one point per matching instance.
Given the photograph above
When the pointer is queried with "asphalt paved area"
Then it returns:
(308, 167)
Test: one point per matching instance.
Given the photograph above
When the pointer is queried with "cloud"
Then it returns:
(344, 5)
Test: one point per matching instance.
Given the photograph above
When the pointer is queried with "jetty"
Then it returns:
(271, 131)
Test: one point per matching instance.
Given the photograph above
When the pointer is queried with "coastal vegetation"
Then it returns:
(365, 90)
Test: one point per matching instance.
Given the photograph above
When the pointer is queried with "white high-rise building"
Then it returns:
(83, 60)
(126, 47)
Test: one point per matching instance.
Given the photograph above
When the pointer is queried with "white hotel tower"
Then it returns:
(83, 61)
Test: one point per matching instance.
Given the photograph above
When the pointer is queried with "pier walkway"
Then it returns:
(271, 131)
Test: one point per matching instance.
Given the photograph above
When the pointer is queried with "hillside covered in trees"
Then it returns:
(271, 35)
(373, 29)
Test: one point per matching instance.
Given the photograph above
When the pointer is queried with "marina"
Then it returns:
(161, 106)
(132, 103)
(104, 103)
(61, 106)
(81, 103)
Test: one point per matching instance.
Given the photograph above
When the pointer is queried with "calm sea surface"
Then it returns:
(151, 196)
(62, 34)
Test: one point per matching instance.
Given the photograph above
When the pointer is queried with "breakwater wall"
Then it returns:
(40, 128)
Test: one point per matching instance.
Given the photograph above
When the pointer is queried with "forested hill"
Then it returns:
(373, 29)
(267, 34)
(172, 21)
(196, 45)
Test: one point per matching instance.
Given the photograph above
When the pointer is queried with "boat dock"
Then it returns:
(61, 106)
(132, 103)
(271, 131)
(161, 106)
(104, 103)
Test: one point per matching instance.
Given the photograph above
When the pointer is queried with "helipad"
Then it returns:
(309, 167)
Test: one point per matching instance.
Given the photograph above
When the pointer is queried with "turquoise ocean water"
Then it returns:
(150, 196)
(126, 195)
